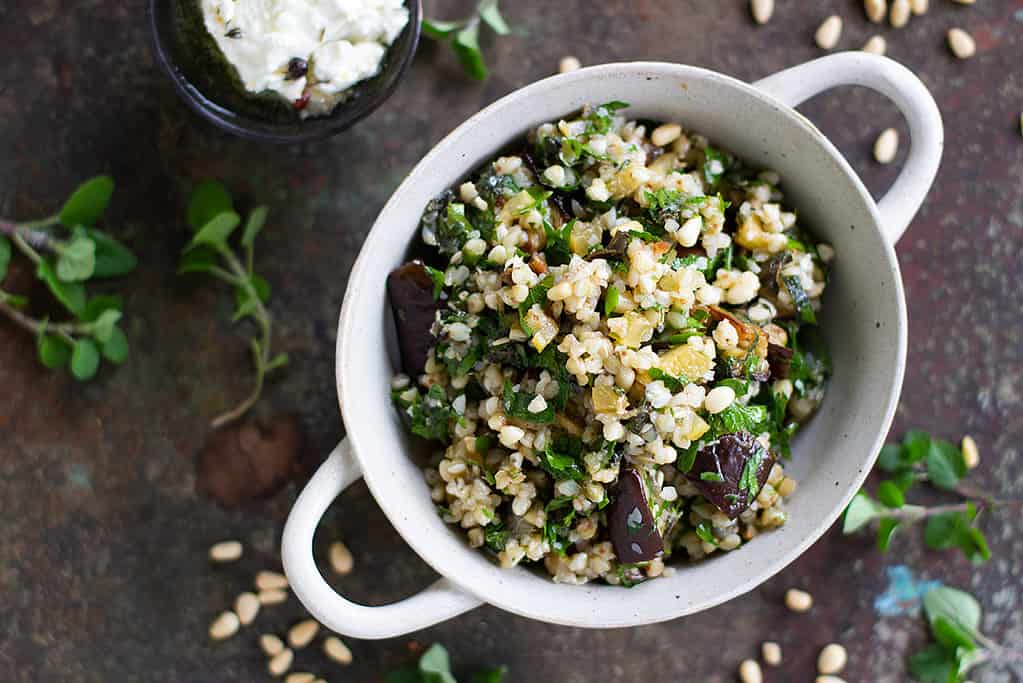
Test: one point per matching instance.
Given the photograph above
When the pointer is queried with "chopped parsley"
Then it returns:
(674, 384)
(516, 405)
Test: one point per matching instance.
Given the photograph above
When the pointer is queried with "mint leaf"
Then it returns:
(467, 48)
(115, 348)
(216, 231)
(862, 510)
(87, 203)
(113, 259)
(955, 605)
(934, 664)
(209, 199)
(103, 327)
(70, 294)
(892, 458)
(916, 444)
(885, 531)
(491, 16)
(891, 495)
(435, 665)
(53, 351)
(945, 464)
(440, 30)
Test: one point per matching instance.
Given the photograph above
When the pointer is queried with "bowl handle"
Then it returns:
(900, 85)
(439, 602)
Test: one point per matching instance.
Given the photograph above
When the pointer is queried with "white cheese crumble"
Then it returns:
(308, 51)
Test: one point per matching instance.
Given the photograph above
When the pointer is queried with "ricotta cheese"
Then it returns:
(308, 51)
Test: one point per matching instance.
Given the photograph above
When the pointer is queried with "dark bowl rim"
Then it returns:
(318, 128)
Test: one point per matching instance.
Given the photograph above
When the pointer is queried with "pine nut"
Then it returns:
(569, 63)
(832, 659)
(302, 633)
(266, 581)
(787, 487)
(876, 10)
(771, 653)
(666, 134)
(886, 146)
(901, 12)
(280, 663)
(271, 645)
(876, 45)
(829, 32)
(797, 600)
(919, 7)
(341, 559)
(749, 672)
(971, 454)
(962, 44)
(300, 677)
(829, 679)
(334, 648)
(226, 551)
(718, 399)
(762, 10)
(246, 606)
(224, 626)
(272, 597)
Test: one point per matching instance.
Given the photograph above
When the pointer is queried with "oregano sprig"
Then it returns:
(68, 250)
(434, 666)
(214, 221)
(464, 36)
(922, 458)
(954, 619)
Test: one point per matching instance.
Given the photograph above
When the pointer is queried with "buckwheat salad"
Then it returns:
(609, 343)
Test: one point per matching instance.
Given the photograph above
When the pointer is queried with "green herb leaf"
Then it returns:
(610, 300)
(467, 48)
(934, 664)
(957, 606)
(255, 223)
(716, 165)
(115, 348)
(885, 531)
(490, 675)
(103, 327)
(951, 635)
(435, 665)
(84, 359)
(216, 231)
(563, 465)
(278, 361)
(537, 295)
(945, 464)
(674, 384)
(491, 15)
(516, 405)
(198, 260)
(891, 495)
(440, 30)
(705, 532)
(862, 511)
(209, 199)
(53, 351)
(70, 294)
(87, 203)
(76, 260)
(99, 304)
(916, 445)
(5, 256)
(711, 476)
(956, 530)
(891, 458)
(113, 259)
(800, 300)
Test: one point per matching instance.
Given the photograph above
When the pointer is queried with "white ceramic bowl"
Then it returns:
(864, 323)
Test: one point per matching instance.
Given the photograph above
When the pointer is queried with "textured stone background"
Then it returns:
(103, 575)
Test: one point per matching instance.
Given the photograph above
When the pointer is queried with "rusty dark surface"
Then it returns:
(103, 572)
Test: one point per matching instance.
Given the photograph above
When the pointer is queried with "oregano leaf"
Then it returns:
(861, 511)
(216, 231)
(84, 359)
(53, 351)
(70, 294)
(88, 202)
(113, 259)
(209, 199)
(115, 348)
(103, 327)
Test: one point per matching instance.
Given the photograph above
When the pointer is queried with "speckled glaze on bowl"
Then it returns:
(864, 322)
(211, 98)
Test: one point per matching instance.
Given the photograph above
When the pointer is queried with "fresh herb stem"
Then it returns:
(66, 331)
(239, 277)
(29, 238)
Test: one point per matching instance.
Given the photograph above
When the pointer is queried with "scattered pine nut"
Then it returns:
(797, 600)
(266, 581)
(971, 454)
(828, 34)
(919, 7)
(341, 559)
(224, 626)
(829, 679)
(962, 44)
(665, 134)
(901, 11)
(876, 10)
(334, 648)
(280, 663)
(876, 45)
(569, 63)
(832, 659)
(749, 672)
(771, 653)
(272, 597)
(886, 146)
(302, 633)
(271, 645)
(787, 487)
(246, 606)
(226, 551)
(300, 677)
(762, 10)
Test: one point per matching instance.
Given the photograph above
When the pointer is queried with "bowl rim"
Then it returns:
(338, 120)
(485, 587)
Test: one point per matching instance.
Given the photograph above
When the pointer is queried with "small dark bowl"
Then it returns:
(188, 55)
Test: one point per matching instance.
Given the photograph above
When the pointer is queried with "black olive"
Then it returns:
(780, 360)
(630, 523)
(297, 67)
(410, 291)
(730, 472)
